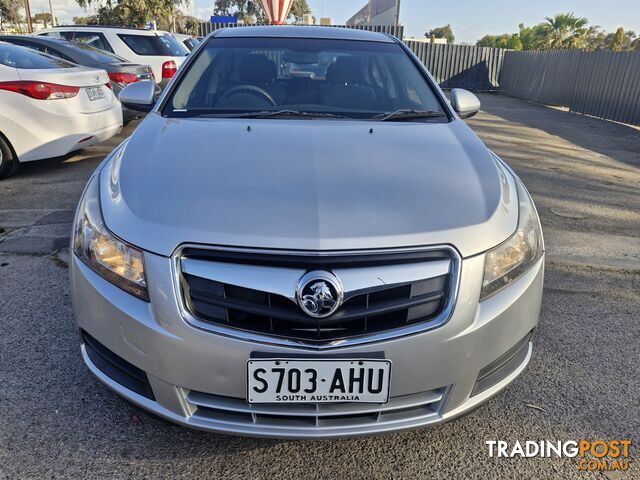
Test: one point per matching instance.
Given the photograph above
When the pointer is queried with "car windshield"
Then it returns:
(21, 57)
(352, 79)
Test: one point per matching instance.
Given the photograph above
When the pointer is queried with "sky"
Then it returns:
(470, 19)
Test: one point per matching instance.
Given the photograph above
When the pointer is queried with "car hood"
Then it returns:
(307, 185)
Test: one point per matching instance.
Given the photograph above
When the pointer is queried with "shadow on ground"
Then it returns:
(584, 173)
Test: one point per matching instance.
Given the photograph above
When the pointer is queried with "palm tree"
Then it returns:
(565, 30)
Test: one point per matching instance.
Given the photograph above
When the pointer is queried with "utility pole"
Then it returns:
(53, 18)
(27, 12)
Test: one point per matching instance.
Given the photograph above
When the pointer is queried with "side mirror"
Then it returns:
(139, 96)
(465, 103)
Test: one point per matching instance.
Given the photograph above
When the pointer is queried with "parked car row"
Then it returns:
(50, 107)
(59, 89)
(120, 71)
(158, 49)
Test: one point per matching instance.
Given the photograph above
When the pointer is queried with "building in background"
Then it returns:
(307, 19)
(376, 12)
(326, 21)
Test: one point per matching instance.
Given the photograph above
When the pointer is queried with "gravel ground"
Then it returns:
(56, 420)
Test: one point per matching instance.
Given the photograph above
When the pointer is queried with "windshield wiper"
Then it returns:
(274, 114)
(407, 114)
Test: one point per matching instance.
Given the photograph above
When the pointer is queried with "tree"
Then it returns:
(514, 42)
(81, 20)
(131, 12)
(105, 15)
(44, 17)
(299, 8)
(618, 40)
(506, 40)
(191, 25)
(487, 41)
(565, 30)
(10, 12)
(441, 32)
(250, 10)
(532, 38)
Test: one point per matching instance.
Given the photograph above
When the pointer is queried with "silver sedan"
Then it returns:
(305, 256)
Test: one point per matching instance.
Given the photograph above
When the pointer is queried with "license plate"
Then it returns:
(95, 93)
(318, 381)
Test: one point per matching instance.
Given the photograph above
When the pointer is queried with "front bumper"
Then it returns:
(198, 378)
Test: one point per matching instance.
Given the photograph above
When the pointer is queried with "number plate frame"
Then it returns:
(95, 93)
(325, 368)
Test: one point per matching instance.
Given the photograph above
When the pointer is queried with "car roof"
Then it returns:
(36, 39)
(131, 30)
(69, 47)
(292, 31)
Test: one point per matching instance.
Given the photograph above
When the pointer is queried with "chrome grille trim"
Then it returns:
(455, 265)
(236, 411)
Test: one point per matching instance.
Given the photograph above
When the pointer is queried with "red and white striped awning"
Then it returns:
(277, 10)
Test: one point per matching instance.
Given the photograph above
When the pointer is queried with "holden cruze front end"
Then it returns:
(279, 261)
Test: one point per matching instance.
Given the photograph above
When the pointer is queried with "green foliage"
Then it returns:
(251, 10)
(514, 42)
(130, 12)
(532, 37)
(298, 9)
(442, 32)
(248, 10)
(618, 40)
(10, 12)
(563, 31)
(43, 17)
(506, 40)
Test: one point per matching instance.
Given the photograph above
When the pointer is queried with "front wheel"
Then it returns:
(8, 163)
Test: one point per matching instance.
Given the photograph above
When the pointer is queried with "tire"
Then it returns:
(8, 163)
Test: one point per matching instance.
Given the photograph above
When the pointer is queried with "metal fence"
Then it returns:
(207, 27)
(461, 66)
(603, 84)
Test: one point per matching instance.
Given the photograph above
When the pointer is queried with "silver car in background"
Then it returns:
(291, 256)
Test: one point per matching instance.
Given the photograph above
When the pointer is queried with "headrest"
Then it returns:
(346, 71)
(257, 69)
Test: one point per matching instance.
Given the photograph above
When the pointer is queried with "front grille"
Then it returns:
(366, 311)
(421, 406)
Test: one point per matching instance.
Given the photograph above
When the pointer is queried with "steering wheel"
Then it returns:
(249, 89)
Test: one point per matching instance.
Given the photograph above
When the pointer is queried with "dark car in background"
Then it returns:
(121, 72)
(189, 41)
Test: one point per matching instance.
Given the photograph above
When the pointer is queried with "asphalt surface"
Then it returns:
(56, 420)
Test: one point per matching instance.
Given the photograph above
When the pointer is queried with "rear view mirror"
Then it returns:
(139, 96)
(465, 103)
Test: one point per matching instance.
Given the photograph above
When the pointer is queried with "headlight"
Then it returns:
(511, 259)
(107, 255)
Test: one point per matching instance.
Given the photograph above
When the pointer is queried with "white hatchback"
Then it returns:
(156, 48)
(50, 107)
